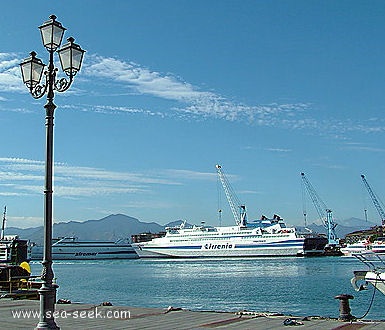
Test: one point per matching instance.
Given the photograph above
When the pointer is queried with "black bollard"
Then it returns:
(344, 307)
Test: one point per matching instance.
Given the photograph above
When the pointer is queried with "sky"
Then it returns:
(168, 89)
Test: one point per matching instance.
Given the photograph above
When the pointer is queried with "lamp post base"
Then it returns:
(47, 307)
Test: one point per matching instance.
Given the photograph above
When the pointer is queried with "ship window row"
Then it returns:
(223, 238)
(213, 234)
(212, 238)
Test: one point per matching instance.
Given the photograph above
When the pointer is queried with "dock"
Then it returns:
(23, 314)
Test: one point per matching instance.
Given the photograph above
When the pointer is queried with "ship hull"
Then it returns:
(221, 250)
(87, 251)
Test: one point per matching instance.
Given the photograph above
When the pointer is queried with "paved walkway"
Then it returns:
(17, 314)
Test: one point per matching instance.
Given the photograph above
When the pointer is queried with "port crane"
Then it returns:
(234, 202)
(375, 200)
(323, 211)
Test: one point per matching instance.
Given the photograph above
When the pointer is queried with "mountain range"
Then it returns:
(116, 226)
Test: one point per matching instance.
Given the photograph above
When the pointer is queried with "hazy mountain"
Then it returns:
(110, 228)
(343, 226)
(116, 226)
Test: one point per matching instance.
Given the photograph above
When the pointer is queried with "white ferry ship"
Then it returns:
(261, 238)
(70, 248)
(264, 238)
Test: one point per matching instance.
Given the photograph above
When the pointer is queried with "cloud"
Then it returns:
(24, 222)
(280, 150)
(183, 100)
(10, 76)
(143, 80)
(21, 177)
(189, 100)
(361, 147)
(187, 174)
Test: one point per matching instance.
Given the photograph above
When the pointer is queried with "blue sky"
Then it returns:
(168, 89)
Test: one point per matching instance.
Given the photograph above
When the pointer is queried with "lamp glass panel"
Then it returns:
(77, 57)
(26, 71)
(52, 35)
(31, 72)
(65, 59)
(37, 70)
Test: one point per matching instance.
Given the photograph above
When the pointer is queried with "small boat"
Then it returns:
(378, 245)
(375, 275)
(13, 250)
(357, 247)
(71, 248)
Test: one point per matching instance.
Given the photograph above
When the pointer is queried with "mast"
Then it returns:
(3, 223)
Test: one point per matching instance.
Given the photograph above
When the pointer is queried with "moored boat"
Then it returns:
(357, 247)
(14, 250)
(375, 275)
(378, 245)
(267, 238)
(260, 238)
(71, 248)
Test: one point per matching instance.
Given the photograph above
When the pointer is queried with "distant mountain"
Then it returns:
(344, 227)
(178, 223)
(116, 226)
(110, 228)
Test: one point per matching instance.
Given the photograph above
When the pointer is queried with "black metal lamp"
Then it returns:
(71, 57)
(31, 70)
(52, 33)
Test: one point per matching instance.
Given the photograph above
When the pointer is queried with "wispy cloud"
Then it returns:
(185, 100)
(108, 109)
(279, 150)
(10, 80)
(193, 102)
(362, 147)
(26, 177)
(143, 80)
(187, 174)
(189, 100)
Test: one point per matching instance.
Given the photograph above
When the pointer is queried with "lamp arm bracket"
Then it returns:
(38, 91)
(62, 84)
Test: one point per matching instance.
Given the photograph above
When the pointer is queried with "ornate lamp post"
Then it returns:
(71, 56)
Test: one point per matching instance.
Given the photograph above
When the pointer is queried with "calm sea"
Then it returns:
(298, 286)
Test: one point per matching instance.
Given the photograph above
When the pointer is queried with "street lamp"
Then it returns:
(71, 56)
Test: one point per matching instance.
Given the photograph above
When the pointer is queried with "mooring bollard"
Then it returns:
(344, 307)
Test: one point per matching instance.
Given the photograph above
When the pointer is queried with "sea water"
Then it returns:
(296, 286)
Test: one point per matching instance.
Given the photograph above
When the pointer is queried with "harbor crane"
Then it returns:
(234, 202)
(375, 200)
(323, 211)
